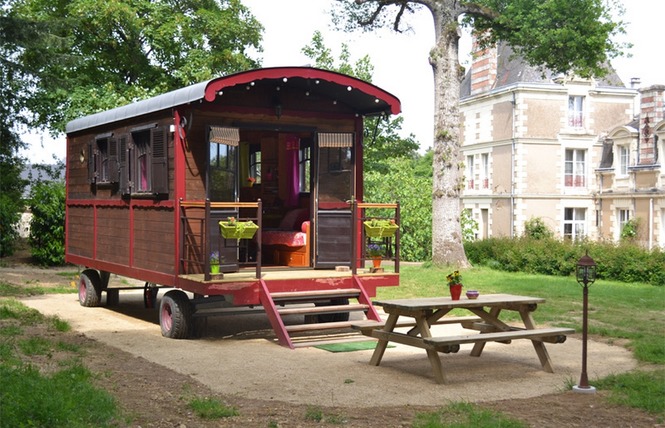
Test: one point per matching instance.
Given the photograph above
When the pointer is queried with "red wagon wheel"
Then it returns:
(90, 288)
(175, 315)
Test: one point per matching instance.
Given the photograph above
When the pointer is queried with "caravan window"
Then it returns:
(144, 162)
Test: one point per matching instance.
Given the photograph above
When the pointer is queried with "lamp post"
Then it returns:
(586, 275)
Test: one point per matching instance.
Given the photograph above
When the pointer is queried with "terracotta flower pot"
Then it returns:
(455, 291)
(376, 261)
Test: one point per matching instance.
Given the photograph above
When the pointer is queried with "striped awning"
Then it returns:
(334, 139)
(221, 135)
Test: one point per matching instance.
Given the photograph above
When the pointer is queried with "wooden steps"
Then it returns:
(323, 310)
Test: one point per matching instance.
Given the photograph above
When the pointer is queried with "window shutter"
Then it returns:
(123, 165)
(113, 160)
(91, 162)
(160, 166)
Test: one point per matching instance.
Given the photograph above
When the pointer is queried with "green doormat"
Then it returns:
(350, 346)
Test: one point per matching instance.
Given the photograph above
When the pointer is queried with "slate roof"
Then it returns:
(512, 69)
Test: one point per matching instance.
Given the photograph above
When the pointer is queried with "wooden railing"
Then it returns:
(363, 211)
(197, 233)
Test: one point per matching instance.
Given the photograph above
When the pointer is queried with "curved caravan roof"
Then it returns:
(362, 97)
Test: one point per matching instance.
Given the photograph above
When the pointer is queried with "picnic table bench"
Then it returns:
(422, 313)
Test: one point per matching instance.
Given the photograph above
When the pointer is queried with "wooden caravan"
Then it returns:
(156, 189)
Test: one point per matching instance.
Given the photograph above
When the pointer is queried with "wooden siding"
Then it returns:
(154, 239)
(80, 231)
(113, 234)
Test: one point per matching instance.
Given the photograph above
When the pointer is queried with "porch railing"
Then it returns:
(363, 211)
(197, 233)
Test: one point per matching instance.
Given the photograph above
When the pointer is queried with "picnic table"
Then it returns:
(421, 313)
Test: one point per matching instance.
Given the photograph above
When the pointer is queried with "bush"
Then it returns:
(47, 228)
(414, 193)
(623, 262)
(9, 217)
(535, 228)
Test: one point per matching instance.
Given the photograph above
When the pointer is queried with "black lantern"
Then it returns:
(586, 270)
(586, 275)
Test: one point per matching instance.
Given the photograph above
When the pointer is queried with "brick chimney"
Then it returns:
(651, 112)
(483, 69)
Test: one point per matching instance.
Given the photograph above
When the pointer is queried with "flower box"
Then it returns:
(380, 229)
(238, 229)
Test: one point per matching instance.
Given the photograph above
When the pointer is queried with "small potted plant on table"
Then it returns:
(455, 284)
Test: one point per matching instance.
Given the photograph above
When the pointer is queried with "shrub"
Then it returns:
(47, 228)
(623, 262)
(535, 228)
(9, 217)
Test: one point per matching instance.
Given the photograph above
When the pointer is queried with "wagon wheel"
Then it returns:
(337, 317)
(175, 315)
(90, 288)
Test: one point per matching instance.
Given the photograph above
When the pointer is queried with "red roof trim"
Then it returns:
(277, 73)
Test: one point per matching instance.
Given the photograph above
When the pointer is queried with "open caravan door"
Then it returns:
(222, 185)
(333, 187)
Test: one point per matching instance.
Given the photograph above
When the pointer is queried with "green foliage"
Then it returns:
(469, 226)
(66, 398)
(462, 415)
(11, 183)
(623, 262)
(535, 228)
(630, 229)
(211, 408)
(9, 217)
(47, 228)
(414, 195)
(88, 56)
(642, 390)
(563, 35)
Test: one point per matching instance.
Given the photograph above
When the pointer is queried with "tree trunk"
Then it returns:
(448, 165)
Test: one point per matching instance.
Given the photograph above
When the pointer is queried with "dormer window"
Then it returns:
(624, 159)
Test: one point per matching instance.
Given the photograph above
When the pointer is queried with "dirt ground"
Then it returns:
(153, 377)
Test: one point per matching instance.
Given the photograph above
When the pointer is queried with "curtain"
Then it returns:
(292, 170)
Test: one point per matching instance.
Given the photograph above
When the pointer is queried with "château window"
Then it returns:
(575, 168)
(623, 216)
(576, 111)
(574, 223)
(485, 165)
(469, 172)
(624, 159)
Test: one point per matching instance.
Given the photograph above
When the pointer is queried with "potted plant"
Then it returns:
(376, 228)
(214, 262)
(234, 229)
(455, 284)
(375, 251)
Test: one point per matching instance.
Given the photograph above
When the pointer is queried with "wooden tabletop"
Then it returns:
(434, 303)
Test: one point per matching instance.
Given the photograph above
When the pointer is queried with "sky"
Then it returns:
(400, 60)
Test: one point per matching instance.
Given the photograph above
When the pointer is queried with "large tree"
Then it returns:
(566, 36)
(101, 54)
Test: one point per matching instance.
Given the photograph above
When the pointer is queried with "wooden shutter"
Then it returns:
(123, 165)
(160, 165)
(91, 162)
(113, 160)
